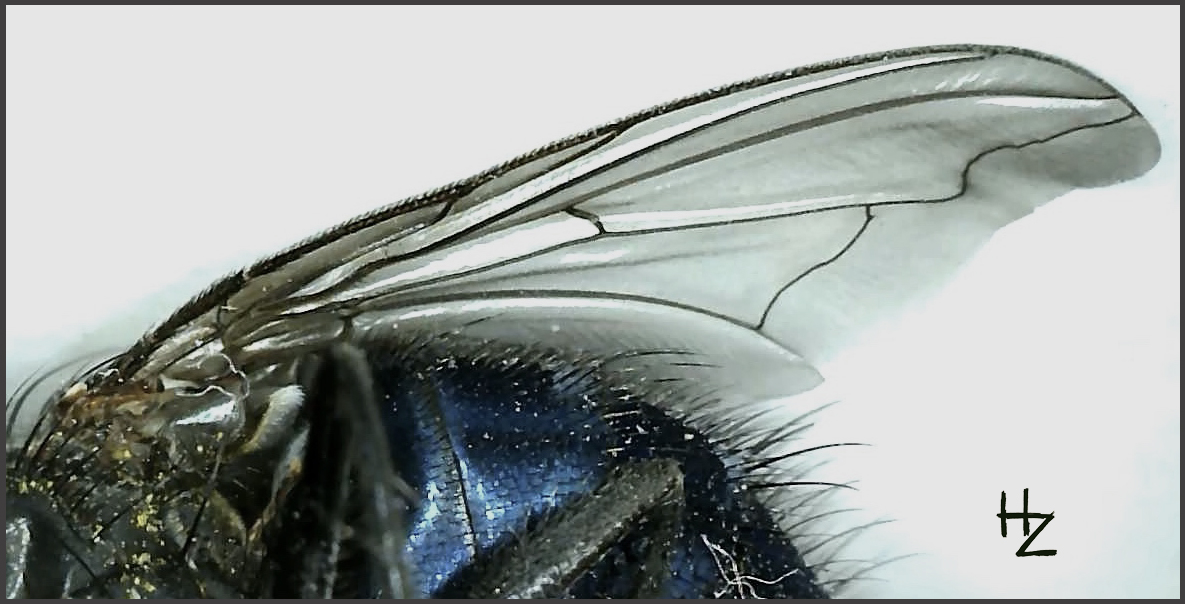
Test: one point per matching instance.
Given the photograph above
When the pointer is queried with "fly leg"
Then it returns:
(341, 530)
(638, 498)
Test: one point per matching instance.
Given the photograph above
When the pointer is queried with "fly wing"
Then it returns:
(776, 219)
(805, 208)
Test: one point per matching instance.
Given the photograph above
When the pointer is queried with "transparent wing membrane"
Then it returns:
(805, 206)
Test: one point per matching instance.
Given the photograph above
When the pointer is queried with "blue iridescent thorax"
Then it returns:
(493, 445)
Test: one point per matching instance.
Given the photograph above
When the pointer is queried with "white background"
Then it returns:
(151, 150)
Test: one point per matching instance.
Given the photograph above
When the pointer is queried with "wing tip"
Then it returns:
(1118, 151)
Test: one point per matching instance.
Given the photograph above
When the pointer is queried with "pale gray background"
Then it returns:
(151, 150)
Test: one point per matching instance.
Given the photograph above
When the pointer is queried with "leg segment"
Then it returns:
(638, 496)
(341, 531)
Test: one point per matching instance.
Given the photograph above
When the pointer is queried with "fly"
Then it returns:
(553, 378)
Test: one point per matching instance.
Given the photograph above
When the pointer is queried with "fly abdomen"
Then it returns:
(499, 442)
